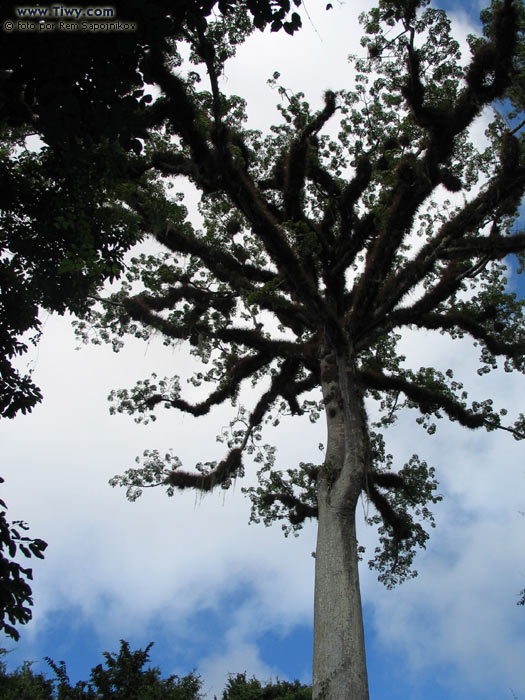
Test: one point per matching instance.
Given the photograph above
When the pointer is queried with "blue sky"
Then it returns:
(214, 593)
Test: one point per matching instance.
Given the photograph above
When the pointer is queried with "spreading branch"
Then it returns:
(430, 400)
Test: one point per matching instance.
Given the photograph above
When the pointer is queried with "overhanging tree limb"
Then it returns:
(430, 400)
(465, 321)
(139, 311)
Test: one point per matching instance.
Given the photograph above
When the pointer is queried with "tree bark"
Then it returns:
(339, 671)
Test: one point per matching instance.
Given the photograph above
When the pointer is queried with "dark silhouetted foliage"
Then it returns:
(124, 676)
(15, 592)
(62, 231)
(239, 688)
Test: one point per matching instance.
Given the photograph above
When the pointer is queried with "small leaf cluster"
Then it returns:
(290, 499)
(144, 397)
(154, 471)
(394, 555)
(15, 593)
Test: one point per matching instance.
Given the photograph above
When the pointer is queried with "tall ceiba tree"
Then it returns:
(315, 255)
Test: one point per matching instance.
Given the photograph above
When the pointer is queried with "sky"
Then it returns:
(221, 596)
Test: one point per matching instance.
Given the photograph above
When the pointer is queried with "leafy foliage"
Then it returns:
(239, 688)
(125, 677)
(24, 684)
(15, 592)
(64, 228)
(73, 84)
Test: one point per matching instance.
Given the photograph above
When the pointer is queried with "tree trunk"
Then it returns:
(339, 671)
(339, 647)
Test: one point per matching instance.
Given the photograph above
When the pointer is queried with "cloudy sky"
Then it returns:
(221, 596)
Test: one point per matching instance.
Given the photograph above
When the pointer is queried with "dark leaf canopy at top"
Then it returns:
(64, 212)
(82, 84)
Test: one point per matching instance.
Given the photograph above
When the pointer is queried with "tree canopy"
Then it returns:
(78, 84)
(285, 228)
(122, 677)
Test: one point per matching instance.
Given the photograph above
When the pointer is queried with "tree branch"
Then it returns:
(233, 462)
(183, 116)
(253, 339)
(225, 470)
(399, 523)
(222, 264)
(203, 298)
(495, 247)
(503, 192)
(298, 511)
(426, 399)
(296, 161)
(465, 321)
(241, 370)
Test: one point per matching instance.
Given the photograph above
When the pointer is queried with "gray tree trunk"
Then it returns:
(339, 671)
